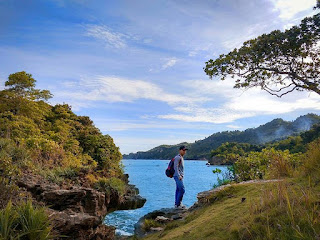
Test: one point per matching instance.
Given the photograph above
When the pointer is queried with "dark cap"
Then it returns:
(183, 148)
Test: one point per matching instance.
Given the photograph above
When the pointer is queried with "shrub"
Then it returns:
(8, 222)
(282, 163)
(269, 163)
(24, 222)
(109, 185)
(311, 163)
(251, 167)
(8, 172)
(227, 176)
(33, 222)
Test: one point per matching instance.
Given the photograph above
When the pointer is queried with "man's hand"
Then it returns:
(180, 178)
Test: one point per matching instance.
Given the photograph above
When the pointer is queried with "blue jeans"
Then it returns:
(179, 190)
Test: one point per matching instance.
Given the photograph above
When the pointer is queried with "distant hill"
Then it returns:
(275, 130)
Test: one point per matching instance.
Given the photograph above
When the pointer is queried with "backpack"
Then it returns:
(170, 168)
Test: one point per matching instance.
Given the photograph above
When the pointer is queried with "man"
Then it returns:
(178, 176)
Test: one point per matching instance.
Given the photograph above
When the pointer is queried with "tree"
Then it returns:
(21, 97)
(22, 84)
(278, 62)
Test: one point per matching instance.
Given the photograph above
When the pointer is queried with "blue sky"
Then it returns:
(136, 67)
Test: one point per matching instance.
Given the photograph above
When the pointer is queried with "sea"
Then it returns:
(159, 190)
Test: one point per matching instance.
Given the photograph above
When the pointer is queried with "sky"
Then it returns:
(135, 67)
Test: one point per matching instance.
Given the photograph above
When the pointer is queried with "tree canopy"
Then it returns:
(53, 137)
(23, 84)
(279, 62)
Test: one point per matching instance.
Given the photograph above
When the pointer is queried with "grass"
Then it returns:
(7, 222)
(273, 210)
(149, 223)
(24, 222)
(33, 222)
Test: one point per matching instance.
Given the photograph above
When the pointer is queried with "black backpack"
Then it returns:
(170, 168)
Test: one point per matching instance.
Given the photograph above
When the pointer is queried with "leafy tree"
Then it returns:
(23, 84)
(21, 98)
(279, 62)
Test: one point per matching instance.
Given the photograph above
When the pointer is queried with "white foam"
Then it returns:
(122, 233)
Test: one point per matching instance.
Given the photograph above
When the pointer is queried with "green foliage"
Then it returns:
(24, 222)
(149, 223)
(44, 137)
(311, 161)
(61, 175)
(33, 222)
(278, 62)
(217, 170)
(110, 185)
(229, 153)
(11, 157)
(268, 163)
(22, 85)
(8, 222)
(226, 177)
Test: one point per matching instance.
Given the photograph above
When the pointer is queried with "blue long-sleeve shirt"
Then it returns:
(178, 166)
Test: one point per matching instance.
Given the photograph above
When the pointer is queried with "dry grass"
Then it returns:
(274, 210)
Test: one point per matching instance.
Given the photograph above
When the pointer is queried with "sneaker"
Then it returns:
(181, 206)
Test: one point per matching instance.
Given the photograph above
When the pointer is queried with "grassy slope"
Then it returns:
(228, 217)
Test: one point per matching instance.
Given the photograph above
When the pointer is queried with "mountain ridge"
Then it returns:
(276, 129)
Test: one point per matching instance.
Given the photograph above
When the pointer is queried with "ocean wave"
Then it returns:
(123, 233)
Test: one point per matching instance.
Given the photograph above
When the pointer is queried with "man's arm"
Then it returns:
(177, 160)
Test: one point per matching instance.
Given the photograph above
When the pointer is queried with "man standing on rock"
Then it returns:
(178, 176)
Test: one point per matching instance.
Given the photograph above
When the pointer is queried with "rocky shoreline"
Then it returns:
(78, 212)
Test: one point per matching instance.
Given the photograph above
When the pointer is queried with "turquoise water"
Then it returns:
(159, 190)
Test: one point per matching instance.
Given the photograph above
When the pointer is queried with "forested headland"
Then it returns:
(55, 163)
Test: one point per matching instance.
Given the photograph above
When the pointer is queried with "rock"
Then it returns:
(78, 212)
(204, 197)
(132, 202)
(176, 217)
(62, 199)
(156, 229)
(162, 219)
(102, 232)
(94, 202)
(164, 212)
(76, 225)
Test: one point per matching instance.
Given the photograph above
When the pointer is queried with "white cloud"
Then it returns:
(117, 89)
(289, 8)
(262, 103)
(112, 39)
(170, 63)
(209, 117)
(237, 104)
(196, 106)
